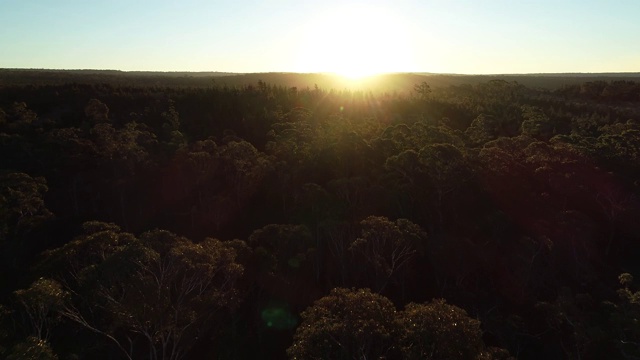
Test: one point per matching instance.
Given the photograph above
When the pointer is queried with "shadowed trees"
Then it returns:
(385, 247)
(19, 119)
(529, 198)
(283, 249)
(359, 324)
(41, 304)
(153, 295)
(346, 324)
(625, 318)
(22, 213)
(244, 168)
(422, 90)
(437, 330)
(32, 349)
(430, 177)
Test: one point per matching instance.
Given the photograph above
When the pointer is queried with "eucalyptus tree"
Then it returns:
(151, 296)
(346, 324)
(437, 330)
(22, 212)
(386, 247)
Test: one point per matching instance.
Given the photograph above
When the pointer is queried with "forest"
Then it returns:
(209, 217)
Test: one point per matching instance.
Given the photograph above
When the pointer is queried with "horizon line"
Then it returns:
(323, 72)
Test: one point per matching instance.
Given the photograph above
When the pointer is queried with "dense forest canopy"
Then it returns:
(225, 216)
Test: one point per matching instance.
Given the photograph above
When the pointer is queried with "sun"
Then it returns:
(356, 42)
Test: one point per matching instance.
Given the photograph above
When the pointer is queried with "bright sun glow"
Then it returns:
(356, 42)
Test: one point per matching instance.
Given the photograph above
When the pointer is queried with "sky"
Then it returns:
(349, 37)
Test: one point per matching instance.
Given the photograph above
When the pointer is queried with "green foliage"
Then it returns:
(437, 330)
(625, 318)
(485, 128)
(20, 119)
(444, 164)
(161, 287)
(626, 280)
(96, 111)
(32, 349)
(346, 324)
(42, 302)
(387, 246)
(21, 202)
(482, 129)
(350, 324)
(422, 90)
(245, 168)
(22, 214)
(529, 196)
(293, 139)
(77, 260)
(535, 123)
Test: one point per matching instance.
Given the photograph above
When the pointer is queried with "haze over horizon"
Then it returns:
(350, 38)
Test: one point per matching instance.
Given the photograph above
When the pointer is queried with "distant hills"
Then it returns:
(400, 82)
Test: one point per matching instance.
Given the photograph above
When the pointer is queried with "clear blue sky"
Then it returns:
(493, 36)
